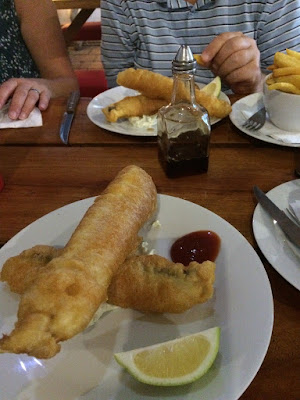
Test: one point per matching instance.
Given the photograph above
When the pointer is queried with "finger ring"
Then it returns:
(35, 90)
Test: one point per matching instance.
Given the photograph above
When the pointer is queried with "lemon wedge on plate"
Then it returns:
(213, 88)
(173, 363)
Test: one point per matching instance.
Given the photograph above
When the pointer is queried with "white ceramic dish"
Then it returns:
(268, 133)
(283, 108)
(280, 253)
(242, 306)
(124, 127)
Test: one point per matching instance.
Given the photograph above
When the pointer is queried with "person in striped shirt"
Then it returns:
(237, 39)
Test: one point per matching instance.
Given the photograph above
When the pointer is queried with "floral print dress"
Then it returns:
(15, 59)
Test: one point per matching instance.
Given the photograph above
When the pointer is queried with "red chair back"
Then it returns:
(91, 82)
(88, 31)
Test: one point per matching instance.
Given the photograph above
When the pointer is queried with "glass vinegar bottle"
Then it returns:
(183, 126)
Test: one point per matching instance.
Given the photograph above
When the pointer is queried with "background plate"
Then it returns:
(277, 249)
(124, 127)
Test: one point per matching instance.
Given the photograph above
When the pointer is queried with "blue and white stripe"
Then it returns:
(147, 33)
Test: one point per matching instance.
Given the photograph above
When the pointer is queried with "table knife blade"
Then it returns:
(291, 230)
(68, 116)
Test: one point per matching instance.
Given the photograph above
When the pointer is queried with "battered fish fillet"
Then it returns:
(148, 283)
(22, 270)
(151, 283)
(157, 86)
(132, 106)
(64, 297)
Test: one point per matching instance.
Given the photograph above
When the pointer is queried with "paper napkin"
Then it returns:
(34, 119)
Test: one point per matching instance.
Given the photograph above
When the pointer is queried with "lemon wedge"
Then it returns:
(173, 363)
(213, 88)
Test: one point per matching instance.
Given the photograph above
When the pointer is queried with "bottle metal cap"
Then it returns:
(184, 61)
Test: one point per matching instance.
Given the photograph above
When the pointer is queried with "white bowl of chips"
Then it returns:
(282, 91)
(283, 108)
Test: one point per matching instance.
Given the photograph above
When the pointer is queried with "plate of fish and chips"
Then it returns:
(280, 97)
(242, 306)
(125, 97)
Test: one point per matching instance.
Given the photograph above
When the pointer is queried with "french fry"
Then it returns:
(199, 60)
(286, 71)
(271, 67)
(293, 53)
(293, 79)
(270, 81)
(284, 87)
(284, 60)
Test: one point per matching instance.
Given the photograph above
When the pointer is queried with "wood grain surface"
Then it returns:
(41, 174)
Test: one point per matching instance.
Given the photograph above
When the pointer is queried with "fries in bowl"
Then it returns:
(285, 72)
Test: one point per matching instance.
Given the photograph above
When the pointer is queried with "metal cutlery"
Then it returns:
(290, 213)
(68, 116)
(290, 228)
(256, 121)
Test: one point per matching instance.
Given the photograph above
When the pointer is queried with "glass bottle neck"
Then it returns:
(183, 89)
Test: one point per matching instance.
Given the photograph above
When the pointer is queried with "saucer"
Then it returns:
(245, 107)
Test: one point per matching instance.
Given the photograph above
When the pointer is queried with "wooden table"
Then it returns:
(87, 7)
(41, 174)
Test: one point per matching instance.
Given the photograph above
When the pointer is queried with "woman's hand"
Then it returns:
(25, 94)
(236, 59)
(40, 30)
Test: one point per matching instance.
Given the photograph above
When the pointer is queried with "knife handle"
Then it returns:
(72, 101)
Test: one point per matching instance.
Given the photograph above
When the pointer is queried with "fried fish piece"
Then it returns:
(22, 270)
(148, 283)
(151, 283)
(157, 86)
(64, 297)
(132, 106)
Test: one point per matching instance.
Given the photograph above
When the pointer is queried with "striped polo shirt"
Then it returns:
(147, 33)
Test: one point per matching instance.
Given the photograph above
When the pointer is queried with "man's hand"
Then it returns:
(236, 59)
(24, 95)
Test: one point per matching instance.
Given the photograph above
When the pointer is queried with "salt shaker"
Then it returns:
(183, 126)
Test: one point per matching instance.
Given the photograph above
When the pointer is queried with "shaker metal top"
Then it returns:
(184, 61)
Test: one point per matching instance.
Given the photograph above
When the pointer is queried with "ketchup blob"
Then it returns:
(196, 246)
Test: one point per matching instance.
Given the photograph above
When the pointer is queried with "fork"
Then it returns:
(256, 121)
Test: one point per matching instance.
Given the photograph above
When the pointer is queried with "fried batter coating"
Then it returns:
(21, 271)
(151, 283)
(157, 86)
(132, 106)
(64, 296)
(148, 283)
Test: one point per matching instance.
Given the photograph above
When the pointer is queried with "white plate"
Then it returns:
(242, 306)
(249, 103)
(278, 250)
(124, 127)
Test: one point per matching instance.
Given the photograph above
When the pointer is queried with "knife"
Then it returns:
(68, 116)
(291, 230)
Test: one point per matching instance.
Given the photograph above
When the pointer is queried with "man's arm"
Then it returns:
(118, 37)
(241, 61)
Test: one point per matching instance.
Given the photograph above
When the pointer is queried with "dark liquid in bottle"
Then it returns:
(184, 155)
